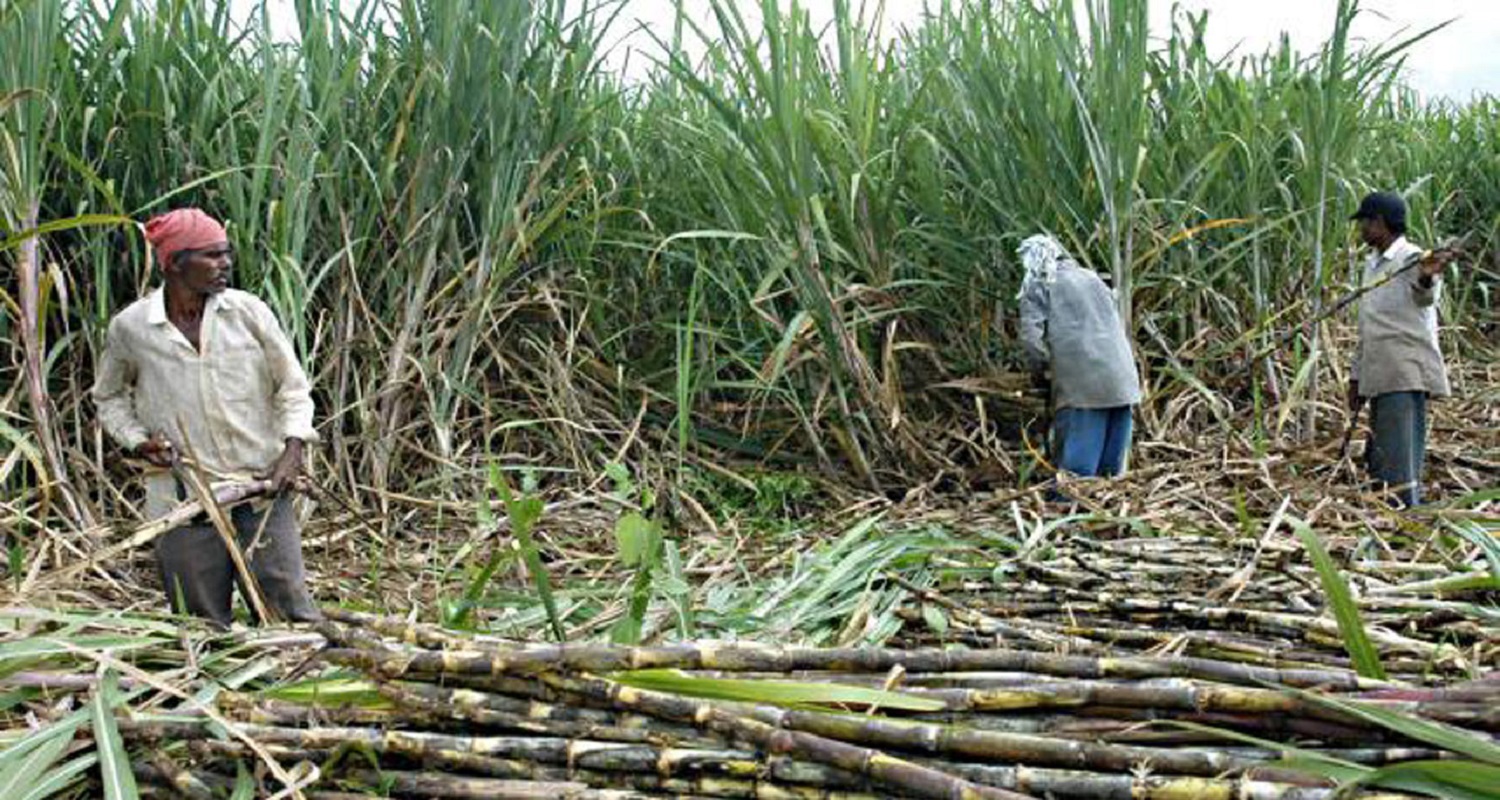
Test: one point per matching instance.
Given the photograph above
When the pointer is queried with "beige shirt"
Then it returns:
(232, 406)
(1398, 328)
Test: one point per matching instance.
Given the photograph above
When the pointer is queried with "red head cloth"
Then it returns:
(183, 229)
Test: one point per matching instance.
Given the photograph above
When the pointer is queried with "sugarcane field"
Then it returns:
(764, 399)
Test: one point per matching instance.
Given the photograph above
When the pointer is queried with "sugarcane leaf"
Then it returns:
(524, 512)
(1297, 758)
(935, 618)
(781, 693)
(114, 764)
(1457, 780)
(56, 226)
(1323, 768)
(52, 645)
(244, 783)
(28, 759)
(61, 778)
(142, 625)
(15, 697)
(1361, 651)
(1438, 734)
(1484, 538)
(338, 690)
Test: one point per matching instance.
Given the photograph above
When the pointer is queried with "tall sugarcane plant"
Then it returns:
(776, 237)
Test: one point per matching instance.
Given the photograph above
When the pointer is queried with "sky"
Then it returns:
(1455, 62)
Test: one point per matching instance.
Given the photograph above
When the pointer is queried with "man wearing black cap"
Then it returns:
(1397, 364)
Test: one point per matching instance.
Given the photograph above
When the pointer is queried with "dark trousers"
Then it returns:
(1398, 442)
(1091, 442)
(199, 576)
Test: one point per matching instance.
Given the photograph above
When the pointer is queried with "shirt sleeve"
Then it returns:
(114, 391)
(293, 391)
(1033, 325)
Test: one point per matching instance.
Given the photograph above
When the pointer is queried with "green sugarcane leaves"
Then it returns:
(1361, 651)
(114, 764)
(524, 512)
(24, 763)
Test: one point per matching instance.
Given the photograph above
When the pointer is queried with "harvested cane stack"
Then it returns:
(1196, 595)
(462, 717)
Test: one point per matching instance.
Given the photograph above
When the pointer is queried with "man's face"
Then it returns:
(205, 270)
(1373, 232)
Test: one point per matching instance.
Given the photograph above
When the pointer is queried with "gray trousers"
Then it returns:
(199, 576)
(1398, 442)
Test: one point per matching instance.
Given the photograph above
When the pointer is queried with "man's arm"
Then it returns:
(292, 399)
(1033, 325)
(114, 392)
(293, 391)
(1424, 287)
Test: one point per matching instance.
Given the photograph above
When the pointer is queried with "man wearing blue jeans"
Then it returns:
(1397, 364)
(1069, 324)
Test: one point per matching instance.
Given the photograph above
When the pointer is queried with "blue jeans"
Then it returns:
(1398, 442)
(1091, 442)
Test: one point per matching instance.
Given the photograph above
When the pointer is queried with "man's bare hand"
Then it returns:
(157, 450)
(284, 473)
(1435, 262)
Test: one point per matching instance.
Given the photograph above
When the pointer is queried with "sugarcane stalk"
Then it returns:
(708, 773)
(224, 496)
(894, 773)
(443, 785)
(486, 708)
(917, 737)
(741, 657)
(1090, 786)
(410, 632)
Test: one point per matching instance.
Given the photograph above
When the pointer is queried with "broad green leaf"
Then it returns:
(781, 693)
(114, 764)
(1361, 651)
(1456, 780)
(636, 537)
(620, 475)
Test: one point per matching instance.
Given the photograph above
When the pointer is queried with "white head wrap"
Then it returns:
(1040, 255)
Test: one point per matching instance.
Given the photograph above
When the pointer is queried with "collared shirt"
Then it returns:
(1398, 328)
(1072, 325)
(231, 406)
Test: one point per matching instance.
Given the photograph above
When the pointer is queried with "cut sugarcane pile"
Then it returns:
(420, 712)
(1258, 603)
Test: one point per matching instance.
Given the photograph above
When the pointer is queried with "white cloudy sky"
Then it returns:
(1456, 61)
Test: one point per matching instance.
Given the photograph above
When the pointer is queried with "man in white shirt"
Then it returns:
(1397, 364)
(196, 367)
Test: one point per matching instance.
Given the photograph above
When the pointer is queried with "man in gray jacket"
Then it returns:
(1397, 364)
(1069, 323)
